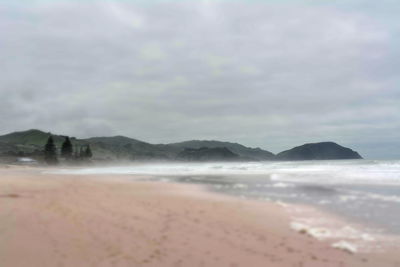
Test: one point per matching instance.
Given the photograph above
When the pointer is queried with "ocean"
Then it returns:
(364, 191)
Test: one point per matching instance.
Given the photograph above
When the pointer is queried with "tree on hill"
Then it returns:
(82, 153)
(50, 152)
(66, 149)
(88, 152)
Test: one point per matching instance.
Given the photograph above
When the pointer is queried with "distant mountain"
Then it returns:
(121, 147)
(318, 151)
(29, 141)
(30, 137)
(116, 148)
(207, 154)
(240, 150)
(114, 140)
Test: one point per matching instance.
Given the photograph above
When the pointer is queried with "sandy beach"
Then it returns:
(67, 220)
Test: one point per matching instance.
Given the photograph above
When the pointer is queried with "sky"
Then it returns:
(264, 73)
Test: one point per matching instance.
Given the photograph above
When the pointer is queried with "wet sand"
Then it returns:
(56, 220)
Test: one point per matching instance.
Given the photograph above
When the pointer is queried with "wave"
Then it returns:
(350, 171)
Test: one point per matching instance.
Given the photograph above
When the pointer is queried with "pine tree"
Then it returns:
(66, 149)
(50, 152)
(88, 152)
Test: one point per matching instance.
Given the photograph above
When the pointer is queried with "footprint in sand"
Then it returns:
(11, 195)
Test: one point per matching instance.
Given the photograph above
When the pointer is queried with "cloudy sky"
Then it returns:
(270, 74)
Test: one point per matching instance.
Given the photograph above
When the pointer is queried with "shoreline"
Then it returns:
(341, 219)
(334, 229)
(72, 221)
(324, 225)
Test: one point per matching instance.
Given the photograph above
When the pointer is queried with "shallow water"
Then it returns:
(364, 190)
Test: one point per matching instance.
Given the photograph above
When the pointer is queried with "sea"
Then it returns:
(366, 192)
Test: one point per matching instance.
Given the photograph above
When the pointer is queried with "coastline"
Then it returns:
(65, 220)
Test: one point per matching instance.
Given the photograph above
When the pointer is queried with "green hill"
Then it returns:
(31, 143)
(30, 137)
(207, 154)
(121, 147)
(243, 151)
(318, 151)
